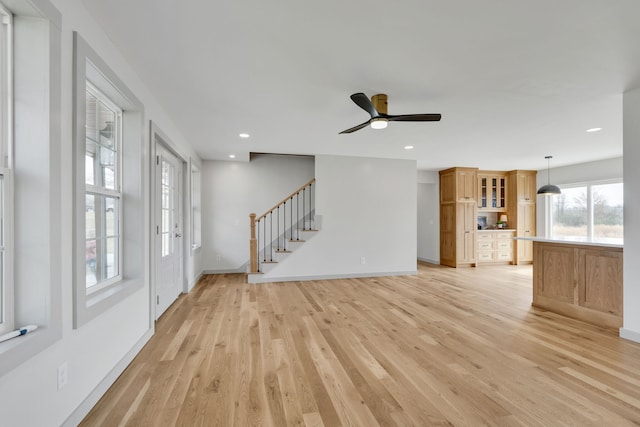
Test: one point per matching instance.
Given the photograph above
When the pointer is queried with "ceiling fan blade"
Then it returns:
(355, 128)
(414, 118)
(364, 102)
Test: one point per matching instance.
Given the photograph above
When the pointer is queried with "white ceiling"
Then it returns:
(514, 80)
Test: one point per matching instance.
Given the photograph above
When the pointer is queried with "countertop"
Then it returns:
(604, 242)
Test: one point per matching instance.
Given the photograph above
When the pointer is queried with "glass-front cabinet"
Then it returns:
(492, 191)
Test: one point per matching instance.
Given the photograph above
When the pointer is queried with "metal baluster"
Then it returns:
(291, 232)
(304, 210)
(278, 228)
(258, 245)
(271, 237)
(297, 215)
(264, 232)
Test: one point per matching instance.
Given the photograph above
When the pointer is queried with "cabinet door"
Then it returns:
(466, 224)
(483, 191)
(553, 273)
(526, 187)
(448, 187)
(526, 228)
(600, 280)
(466, 186)
(448, 234)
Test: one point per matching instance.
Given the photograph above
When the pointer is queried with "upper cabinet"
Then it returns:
(526, 182)
(492, 191)
(458, 185)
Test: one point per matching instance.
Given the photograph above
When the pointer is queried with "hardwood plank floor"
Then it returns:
(450, 346)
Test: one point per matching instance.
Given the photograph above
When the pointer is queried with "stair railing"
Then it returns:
(272, 230)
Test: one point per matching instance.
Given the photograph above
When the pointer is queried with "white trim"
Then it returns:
(630, 335)
(89, 402)
(429, 261)
(88, 66)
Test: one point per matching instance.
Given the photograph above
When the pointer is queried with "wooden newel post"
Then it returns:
(253, 245)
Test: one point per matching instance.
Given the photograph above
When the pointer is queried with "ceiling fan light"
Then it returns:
(379, 123)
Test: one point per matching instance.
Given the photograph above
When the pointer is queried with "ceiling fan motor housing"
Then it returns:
(379, 101)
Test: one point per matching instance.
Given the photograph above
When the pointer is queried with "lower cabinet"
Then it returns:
(584, 282)
(494, 246)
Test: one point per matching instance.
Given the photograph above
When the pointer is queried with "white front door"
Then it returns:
(168, 236)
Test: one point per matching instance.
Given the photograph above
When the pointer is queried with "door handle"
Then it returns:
(178, 234)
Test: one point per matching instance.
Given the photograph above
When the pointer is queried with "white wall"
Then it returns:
(631, 137)
(233, 190)
(601, 170)
(368, 210)
(98, 351)
(429, 216)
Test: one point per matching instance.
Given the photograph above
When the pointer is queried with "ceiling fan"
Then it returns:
(377, 109)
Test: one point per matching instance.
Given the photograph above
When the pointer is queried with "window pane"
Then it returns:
(112, 258)
(166, 242)
(89, 162)
(90, 256)
(91, 128)
(607, 210)
(90, 216)
(107, 126)
(111, 217)
(569, 213)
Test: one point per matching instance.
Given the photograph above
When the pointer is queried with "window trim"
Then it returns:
(36, 152)
(89, 67)
(7, 291)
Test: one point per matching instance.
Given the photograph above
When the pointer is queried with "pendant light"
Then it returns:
(549, 190)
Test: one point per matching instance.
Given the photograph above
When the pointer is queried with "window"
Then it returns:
(592, 210)
(31, 175)
(6, 181)
(103, 243)
(109, 193)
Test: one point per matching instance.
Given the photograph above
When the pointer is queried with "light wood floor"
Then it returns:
(451, 346)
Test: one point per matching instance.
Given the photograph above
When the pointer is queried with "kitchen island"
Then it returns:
(579, 278)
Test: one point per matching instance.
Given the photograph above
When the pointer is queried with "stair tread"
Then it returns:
(282, 251)
(296, 241)
(269, 262)
(308, 229)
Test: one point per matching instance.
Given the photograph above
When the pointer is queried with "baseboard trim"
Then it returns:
(89, 402)
(429, 261)
(241, 269)
(267, 279)
(630, 335)
(195, 282)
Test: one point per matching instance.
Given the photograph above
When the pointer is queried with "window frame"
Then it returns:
(7, 291)
(590, 214)
(102, 191)
(88, 66)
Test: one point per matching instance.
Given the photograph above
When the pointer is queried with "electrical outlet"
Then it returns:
(63, 375)
(363, 260)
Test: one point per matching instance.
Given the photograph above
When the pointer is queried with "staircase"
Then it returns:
(280, 231)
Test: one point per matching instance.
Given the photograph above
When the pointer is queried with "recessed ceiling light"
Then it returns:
(408, 147)
(232, 156)
(594, 130)
(244, 135)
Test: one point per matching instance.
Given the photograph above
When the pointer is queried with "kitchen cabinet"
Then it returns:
(458, 216)
(521, 205)
(492, 191)
(494, 246)
(579, 281)
(466, 233)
